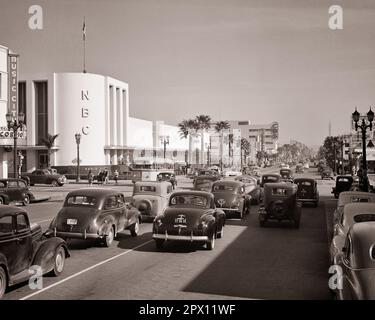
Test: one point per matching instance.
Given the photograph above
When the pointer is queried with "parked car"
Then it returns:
(286, 174)
(15, 190)
(44, 176)
(23, 245)
(270, 177)
(95, 214)
(252, 188)
(190, 216)
(357, 263)
(343, 183)
(352, 213)
(280, 203)
(231, 197)
(169, 177)
(300, 168)
(204, 183)
(346, 197)
(151, 198)
(327, 174)
(307, 190)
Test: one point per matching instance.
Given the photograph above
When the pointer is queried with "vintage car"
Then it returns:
(300, 168)
(280, 203)
(232, 173)
(204, 183)
(346, 197)
(352, 213)
(343, 183)
(44, 176)
(151, 198)
(95, 213)
(167, 176)
(327, 173)
(286, 174)
(252, 188)
(15, 190)
(205, 172)
(307, 190)
(22, 245)
(231, 197)
(270, 177)
(190, 216)
(357, 264)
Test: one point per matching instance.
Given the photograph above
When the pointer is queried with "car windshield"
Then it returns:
(80, 200)
(147, 189)
(223, 188)
(190, 200)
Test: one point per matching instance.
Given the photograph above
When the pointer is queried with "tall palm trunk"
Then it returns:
(190, 148)
(202, 147)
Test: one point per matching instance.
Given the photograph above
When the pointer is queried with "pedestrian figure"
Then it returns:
(115, 176)
(90, 178)
(105, 176)
(100, 177)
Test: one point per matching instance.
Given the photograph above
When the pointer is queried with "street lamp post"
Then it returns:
(15, 124)
(78, 141)
(164, 141)
(363, 126)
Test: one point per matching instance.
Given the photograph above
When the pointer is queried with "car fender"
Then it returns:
(44, 256)
(5, 197)
(106, 223)
(3, 262)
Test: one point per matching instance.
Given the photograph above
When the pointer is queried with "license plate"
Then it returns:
(72, 222)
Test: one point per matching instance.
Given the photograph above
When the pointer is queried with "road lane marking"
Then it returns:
(83, 271)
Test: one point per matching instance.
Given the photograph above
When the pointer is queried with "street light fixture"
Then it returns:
(363, 126)
(78, 141)
(15, 124)
(164, 140)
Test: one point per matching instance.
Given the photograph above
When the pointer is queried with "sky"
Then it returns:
(257, 60)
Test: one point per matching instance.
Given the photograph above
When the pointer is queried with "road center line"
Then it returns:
(83, 271)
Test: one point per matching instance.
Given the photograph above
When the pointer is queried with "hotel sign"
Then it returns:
(13, 84)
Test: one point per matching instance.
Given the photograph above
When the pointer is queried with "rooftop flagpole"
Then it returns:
(84, 44)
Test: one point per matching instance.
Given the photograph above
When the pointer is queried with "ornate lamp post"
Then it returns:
(363, 126)
(15, 124)
(78, 141)
(164, 140)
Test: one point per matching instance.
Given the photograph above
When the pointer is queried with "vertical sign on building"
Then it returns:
(13, 84)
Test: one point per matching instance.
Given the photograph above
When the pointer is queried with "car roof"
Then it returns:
(356, 208)
(280, 185)
(346, 197)
(94, 192)
(192, 192)
(271, 175)
(152, 183)
(229, 182)
(6, 210)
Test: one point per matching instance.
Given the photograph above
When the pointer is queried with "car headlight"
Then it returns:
(203, 224)
(158, 222)
(236, 202)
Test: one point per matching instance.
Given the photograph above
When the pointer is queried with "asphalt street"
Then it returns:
(277, 262)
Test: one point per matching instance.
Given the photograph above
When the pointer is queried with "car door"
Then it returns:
(8, 242)
(13, 191)
(110, 210)
(122, 213)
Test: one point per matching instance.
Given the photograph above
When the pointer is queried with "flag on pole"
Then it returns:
(84, 29)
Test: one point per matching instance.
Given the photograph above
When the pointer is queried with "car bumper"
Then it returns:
(191, 237)
(76, 235)
(308, 200)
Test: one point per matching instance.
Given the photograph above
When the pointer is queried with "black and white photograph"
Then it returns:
(191, 155)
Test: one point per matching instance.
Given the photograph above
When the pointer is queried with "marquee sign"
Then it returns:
(13, 84)
(6, 136)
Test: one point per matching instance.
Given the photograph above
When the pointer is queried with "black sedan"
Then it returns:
(15, 190)
(95, 214)
(190, 216)
(23, 248)
(44, 176)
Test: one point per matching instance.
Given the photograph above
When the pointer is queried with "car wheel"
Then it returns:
(26, 200)
(135, 229)
(108, 240)
(55, 183)
(211, 243)
(159, 243)
(3, 282)
(59, 262)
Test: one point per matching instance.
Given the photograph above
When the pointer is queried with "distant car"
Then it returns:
(327, 174)
(211, 173)
(286, 174)
(346, 197)
(252, 188)
(190, 216)
(299, 168)
(307, 190)
(151, 198)
(15, 190)
(270, 177)
(44, 176)
(22, 246)
(167, 176)
(280, 203)
(95, 214)
(232, 173)
(231, 197)
(204, 183)
(343, 183)
(352, 213)
(356, 261)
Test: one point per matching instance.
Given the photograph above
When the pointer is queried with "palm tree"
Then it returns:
(188, 128)
(220, 126)
(230, 141)
(49, 142)
(203, 124)
(245, 150)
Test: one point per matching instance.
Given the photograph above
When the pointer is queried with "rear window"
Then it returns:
(343, 180)
(81, 201)
(364, 217)
(304, 183)
(147, 188)
(279, 191)
(270, 179)
(223, 187)
(190, 200)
